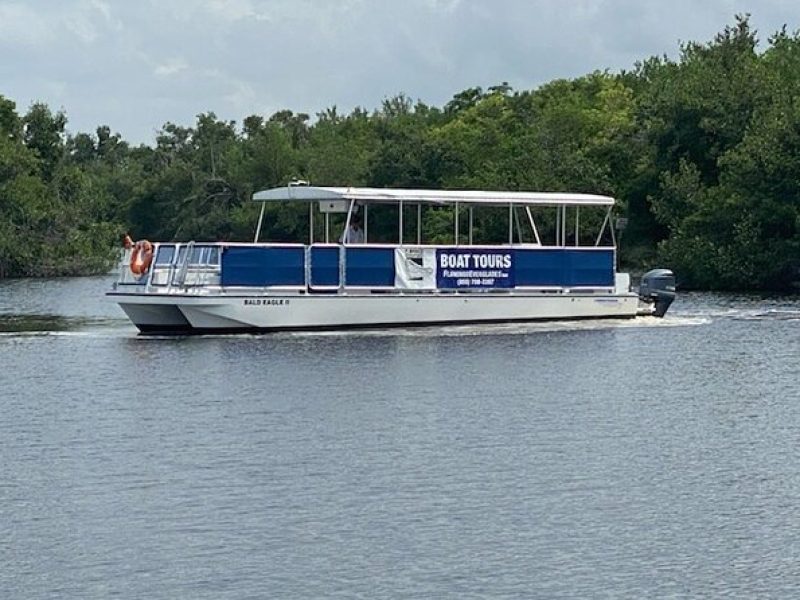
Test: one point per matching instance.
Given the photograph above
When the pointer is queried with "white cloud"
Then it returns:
(171, 67)
(82, 27)
(22, 26)
(102, 7)
(236, 10)
(241, 98)
(139, 64)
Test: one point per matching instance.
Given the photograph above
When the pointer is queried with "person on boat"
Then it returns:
(354, 233)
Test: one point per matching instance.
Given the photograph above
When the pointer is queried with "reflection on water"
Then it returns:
(631, 459)
(19, 323)
(51, 323)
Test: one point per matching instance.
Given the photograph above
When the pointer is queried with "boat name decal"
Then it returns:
(266, 301)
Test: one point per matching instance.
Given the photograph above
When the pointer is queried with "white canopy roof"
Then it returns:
(309, 193)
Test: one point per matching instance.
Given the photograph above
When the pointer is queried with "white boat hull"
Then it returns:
(164, 313)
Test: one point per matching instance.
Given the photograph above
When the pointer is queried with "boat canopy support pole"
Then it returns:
(533, 225)
(345, 240)
(470, 226)
(343, 246)
(614, 241)
(577, 225)
(260, 221)
(603, 228)
(366, 223)
(611, 226)
(558, 225)
(310, 223)
(510, 223)
(456, 234)
(419, 224)
(400, 222)
(307, 265)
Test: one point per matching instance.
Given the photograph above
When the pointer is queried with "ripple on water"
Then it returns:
(644, 458)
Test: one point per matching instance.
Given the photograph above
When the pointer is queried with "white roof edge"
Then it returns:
(310, 193)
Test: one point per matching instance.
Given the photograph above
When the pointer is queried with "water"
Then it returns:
(599, 459)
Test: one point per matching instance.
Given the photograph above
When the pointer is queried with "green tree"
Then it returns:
(43, 133)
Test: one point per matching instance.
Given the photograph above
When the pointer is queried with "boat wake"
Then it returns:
(32, 325)
(510, 328)
(772, 314)
(715, 307)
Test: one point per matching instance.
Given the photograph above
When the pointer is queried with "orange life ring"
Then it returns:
(141, 257)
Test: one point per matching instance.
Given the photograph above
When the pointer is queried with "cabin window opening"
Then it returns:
(384, 224)
(587, 225)
(534, 230)
(164, 256)
(335, 226)
(203, 256)
(605, 234)
(518, 226)
(437, 225)
(490, 225)
(353, 224)
(411, 232)
(465, 222)
(198, 256)
(284, 223)
(545, 220)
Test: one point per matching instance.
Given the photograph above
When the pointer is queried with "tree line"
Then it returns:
(702, 153)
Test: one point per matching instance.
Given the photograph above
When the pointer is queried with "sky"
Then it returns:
(135, 65)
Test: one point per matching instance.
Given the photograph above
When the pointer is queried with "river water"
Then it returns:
(602, 459)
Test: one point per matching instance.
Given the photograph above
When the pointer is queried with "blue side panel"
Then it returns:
(263, 266)
(539, 267)
(370, 266)
(589, 268)
(569, 268)
(325, 266)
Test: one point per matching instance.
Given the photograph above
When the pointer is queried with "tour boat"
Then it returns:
(508, 257)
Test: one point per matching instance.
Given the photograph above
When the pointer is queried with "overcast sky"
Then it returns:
(136, 64)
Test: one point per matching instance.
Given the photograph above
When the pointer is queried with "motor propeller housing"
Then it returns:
(658, 288)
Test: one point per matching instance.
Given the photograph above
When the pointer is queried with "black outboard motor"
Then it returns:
(658, 287)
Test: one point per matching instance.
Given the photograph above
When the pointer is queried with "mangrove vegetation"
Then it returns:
(702, 152)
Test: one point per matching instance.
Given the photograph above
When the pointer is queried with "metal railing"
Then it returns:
(183, 272)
